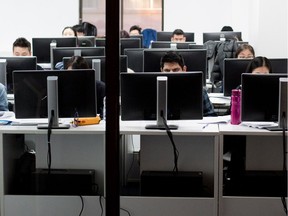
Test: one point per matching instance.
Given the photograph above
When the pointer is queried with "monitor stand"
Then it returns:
(52, 96)
(161, 109)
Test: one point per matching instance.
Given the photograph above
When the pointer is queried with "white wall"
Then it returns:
(34, 18)
(262, 23)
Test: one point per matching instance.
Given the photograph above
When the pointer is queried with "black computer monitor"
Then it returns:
(89, 59)
(135, 58)
(166, 36)
(216, 36)
(100, 42)
(86, 41)
(41, 46)
(17, 63)
(232, 70)
(169, 44)
(129, 43)
(279, 65)
(195, 60)
(60, 52)
(260, 97)
(138, 36)
(76, 93)
(138, 96)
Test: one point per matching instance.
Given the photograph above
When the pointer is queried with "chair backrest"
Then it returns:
(89, 29)
(148, 36)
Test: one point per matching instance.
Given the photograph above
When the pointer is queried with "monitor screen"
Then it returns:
(41, 46)
(169, 44)
(166, 36)
(89, 59)
(17, 63)
(279, 65)
(76, 93)
(60, 52)
(138, 36)
(215, 36)
(129, 43)
(195, 60)
(100, 42)
(138, 95)
(232, 70)
(135, 58)
(86, 41)
(260, 95)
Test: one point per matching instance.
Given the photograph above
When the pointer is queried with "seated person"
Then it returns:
(259, 65)
(79, 30)
(178, 35)
(173, 62)
(22, 47)
(69, 31)
(135, 30)
(78, 62)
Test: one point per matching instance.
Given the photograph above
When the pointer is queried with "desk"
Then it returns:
(263, 152)
(79, 148)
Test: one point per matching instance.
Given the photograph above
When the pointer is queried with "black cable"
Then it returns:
(175, 151)
(283, 119)
(101, 206)
(82, 205)
(49, 132)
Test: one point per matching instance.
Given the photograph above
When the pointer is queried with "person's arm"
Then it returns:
(3, 98)
(208, 108)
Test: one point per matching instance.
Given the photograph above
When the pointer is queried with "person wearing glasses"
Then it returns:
(174, 62)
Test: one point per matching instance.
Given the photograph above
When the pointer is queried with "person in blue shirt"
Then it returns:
(174, 62)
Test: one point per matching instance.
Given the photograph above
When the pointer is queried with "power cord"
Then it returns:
(102, 210)
(175, 150)
(283, 119)
(82, 205)
(49, 132)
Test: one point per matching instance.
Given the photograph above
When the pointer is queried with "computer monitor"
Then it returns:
(260, 97)
(86, 41)
(138, 95)
(195, 60)
(41, 46)
(218, 36)
(138, 36)
(60, 52)
(166, 36)
(135, 58)
(76, 93)
(129, 43)
(100, 42)
(232, 70)
(196, 46)
(89, 59)
(279, 65)
(169, 44)
(17, 63)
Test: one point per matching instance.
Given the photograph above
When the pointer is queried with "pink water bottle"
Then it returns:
(236, 106)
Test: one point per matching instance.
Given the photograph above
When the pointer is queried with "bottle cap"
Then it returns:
(236, 92)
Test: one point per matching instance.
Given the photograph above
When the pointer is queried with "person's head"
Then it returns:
(77, 62)
(124, 34)
(178, 36)
(226, 28)
(259, 65)
(172, 62)
(21, 47)
(135, 30)
(245, 51)
(69, 31)
(79, 30)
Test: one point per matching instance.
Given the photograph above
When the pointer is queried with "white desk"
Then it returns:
(263, 152)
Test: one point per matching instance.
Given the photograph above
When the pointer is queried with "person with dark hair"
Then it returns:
(174, 62)
(178, 35)
(245, 51)
(79, 30)
(259, 65)
(68, 31)
(135, 30)
(124, 34)
(22, 47)
(226, 28)
(78, 62)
